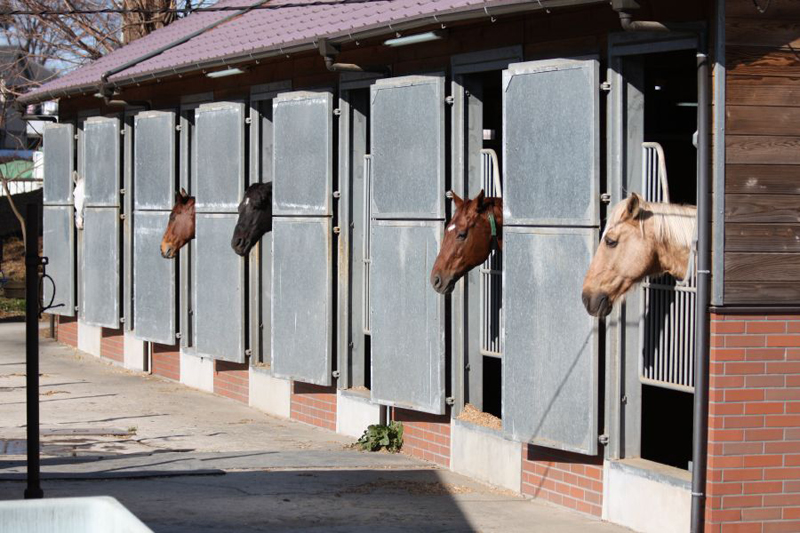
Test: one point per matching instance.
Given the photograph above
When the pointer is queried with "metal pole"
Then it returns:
(700, 430)
(32, 262)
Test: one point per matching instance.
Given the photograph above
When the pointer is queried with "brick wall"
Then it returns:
(112, 344)
(232, 380)
(754, 424)
(166, 361)
(67, 330)
(425, 436)
(563, 478)
(314, 405)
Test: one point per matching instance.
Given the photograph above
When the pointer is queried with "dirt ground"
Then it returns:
(13, 268)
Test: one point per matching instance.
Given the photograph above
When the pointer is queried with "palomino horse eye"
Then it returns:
(611, 243)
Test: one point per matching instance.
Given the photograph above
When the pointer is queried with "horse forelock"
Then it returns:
(260, 194)
(671, 223)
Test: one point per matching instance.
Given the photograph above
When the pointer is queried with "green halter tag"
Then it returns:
(493, 224)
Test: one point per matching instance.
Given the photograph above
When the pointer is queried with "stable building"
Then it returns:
(363, 115)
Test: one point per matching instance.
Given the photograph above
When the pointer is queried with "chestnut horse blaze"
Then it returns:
(476, 226)
(180, 229)
(641, 239)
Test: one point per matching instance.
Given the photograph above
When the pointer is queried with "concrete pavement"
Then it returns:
(188, 461)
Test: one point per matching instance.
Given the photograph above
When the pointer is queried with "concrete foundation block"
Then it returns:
(270, 394)
(354, 413)
(197, 372)
(485, 455)
(89, 338)
(133, 352)
(646, 496)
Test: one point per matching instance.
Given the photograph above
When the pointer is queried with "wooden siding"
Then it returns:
(762, 182)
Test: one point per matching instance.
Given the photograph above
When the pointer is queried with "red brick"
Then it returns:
(753, 515)
(764, 381)
(782, 527)
(782, 421)
(763, 434)
(765, 354)
(745, 474)
(765, 408)
(784, 367)
(781, 394)
(762, 487)
(744, 395)
(763, 460)
(792, 341)
(746, 341)
(782, 447)
(781, 500)
(727, 382)
(791, 460)
(724, 489)
(742, 501)
(732, 408)
(725, 435)
(727, 327)
(793, 327)
(744, 421)
(725, 515)
(782, 473)
(766, 327)
(738, 448)
(791, 512)
(741, 528)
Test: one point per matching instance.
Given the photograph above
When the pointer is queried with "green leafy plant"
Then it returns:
(378, 436)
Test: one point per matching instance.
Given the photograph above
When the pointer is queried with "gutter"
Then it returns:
(105, 89)
(447, 16)
(702, 347)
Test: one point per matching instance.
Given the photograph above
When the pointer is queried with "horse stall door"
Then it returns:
(100, 291)
(551, 155)
(154, 309)
(58, 213)
(218, 171)
(407, 317)
(302, 285)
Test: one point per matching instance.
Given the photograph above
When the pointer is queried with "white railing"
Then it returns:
(491, 280)
(667, 326)
(21, 186)
(366, 254)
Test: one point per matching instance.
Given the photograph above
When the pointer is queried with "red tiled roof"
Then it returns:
(288, 23)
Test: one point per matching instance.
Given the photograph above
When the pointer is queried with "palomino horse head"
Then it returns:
(79, 198)
(255, 218)
(467, 240)
(641, 239)
(180, 229)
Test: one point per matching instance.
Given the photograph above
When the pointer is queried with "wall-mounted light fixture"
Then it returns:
(415, 39)
(223, 73)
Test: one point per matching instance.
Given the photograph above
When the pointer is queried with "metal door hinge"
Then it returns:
(337, 230)
(450, 400)
(605, 198)
(337, 112)
(335, 374)
(603, 439)
(248, 352)
(76, 136)
(122, 216)
(122, 192)
(605, 86)
(179, 335)
(337, 194)
(178, 127)
(449, 100)
(122, 320)
(122, 132)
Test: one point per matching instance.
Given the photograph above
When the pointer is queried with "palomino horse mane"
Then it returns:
(673, 223)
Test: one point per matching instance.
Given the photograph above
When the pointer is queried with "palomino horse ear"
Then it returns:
(634, 205)
(458, 201)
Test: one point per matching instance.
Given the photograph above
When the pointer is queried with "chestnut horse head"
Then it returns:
(468, 240)
(641, 239)
(255, 218)
(180, 229)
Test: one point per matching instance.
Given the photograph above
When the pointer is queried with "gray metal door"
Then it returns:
(59, 229)
(218, 280)
(302, 255)
(406, 314)
(100, 294)
(154, 312)
(551, 163)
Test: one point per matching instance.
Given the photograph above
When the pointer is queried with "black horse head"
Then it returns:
(255, 218)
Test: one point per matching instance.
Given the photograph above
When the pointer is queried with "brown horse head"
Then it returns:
(467, 240)
(180, 229)
(641, 239)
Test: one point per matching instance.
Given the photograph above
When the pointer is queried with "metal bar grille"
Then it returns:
(365, 247)
(491, 284)
(668, 322)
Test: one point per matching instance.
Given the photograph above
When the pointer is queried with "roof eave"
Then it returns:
(454, 15)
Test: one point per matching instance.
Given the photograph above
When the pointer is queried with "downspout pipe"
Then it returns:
(329, 51)
(702, 337)
(105, 89)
